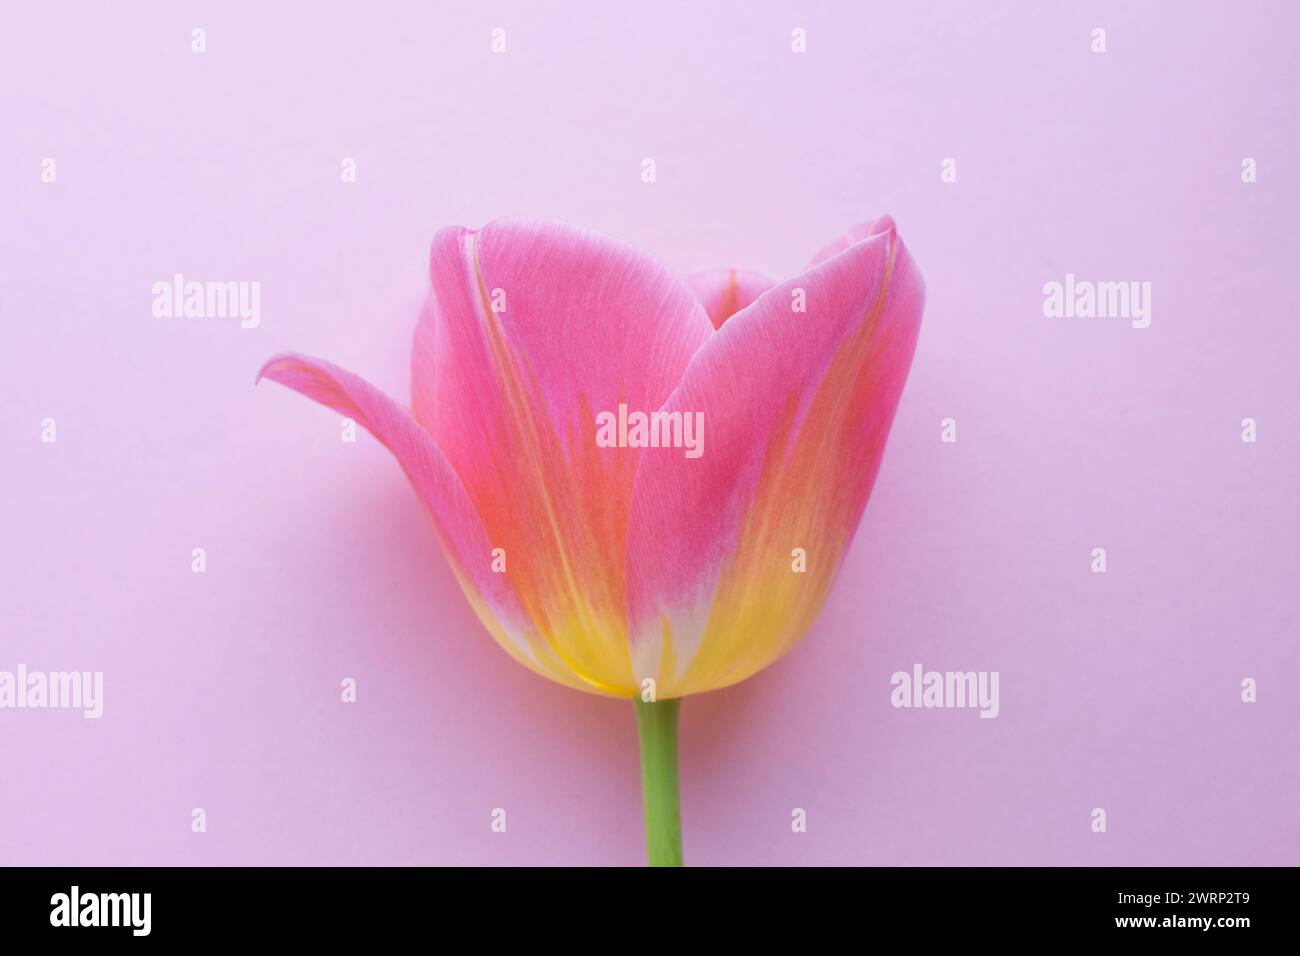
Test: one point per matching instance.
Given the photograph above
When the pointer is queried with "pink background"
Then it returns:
(1119, 691)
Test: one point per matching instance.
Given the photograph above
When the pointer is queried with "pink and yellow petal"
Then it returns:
(532, 331)
(797, 407)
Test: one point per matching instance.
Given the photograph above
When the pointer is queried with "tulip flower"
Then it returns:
(555, 375)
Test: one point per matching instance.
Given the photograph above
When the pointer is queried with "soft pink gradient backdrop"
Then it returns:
(222, 690)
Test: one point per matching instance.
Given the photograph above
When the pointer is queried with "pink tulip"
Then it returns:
(659, 556)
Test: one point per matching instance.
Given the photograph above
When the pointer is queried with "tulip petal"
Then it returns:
(856, 233)
(724, 292)
(797, 407)
(533, 331)
(463, 537)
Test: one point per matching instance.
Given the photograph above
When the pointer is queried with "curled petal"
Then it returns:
(855, 234)
(460, 531)
(732, 554)
(533, 330)
(724, 292)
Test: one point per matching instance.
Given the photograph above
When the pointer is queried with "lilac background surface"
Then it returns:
(1119, 690)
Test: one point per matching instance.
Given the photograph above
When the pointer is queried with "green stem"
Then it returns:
(656, 724)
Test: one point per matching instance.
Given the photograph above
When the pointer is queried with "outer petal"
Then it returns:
(797, 407)
(724, 292)
(463, 537)
(532, 331)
